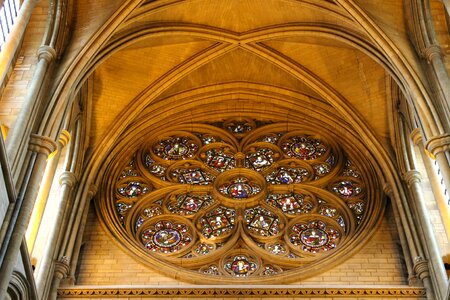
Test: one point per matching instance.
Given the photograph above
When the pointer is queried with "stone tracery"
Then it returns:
(263, 204)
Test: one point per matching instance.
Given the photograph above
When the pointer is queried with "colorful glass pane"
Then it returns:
(304, 147)
(269, 270)
(277, 249)
(284, 175)
(346, 189)
(133, 189)
(128, 173)
(208, 139)
(260, 160)
(351, 173)
(314, 236)
(148, 213)
(139, 222)
(211, 270)
(341, 221)
(218, 222)
(166, 237)
(240, 266)
(328, 211)
(218, 160)
(122, 208)
(188, 204)
(203, 249)
(270, 138)
(322, 169)
(193, 176)
(357, 207)
(330, 160)
(262, 221)
(239, 127)
(154, 168)
(239, 188)
(176, 148)
(290, 203)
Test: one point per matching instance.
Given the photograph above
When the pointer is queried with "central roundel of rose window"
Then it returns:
(239, 202)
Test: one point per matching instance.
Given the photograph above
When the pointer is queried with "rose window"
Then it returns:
(240, 200)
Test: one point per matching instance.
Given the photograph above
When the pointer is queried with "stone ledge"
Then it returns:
(241, 291)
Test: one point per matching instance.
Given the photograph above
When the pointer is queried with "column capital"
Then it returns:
(431, 52)
(41, 144)
(412, 177)
(64, 138)
(62, 267)
(421, 267)
(438, 144)
(68, 178)
(47, 53)
(416, 136)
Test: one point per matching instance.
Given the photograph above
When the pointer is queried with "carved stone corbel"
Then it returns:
(412, 177)
(431, 52)
(62, 267)
(421, 267)
(68, 178)
(438, 144)
(41, 144)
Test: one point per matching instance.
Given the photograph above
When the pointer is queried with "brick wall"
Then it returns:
(103, 263)
(13, 94)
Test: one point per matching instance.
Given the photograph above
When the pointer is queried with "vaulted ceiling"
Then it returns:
(164, 49)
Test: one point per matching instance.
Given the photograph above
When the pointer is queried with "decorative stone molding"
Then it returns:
(229, 291)
(438, 144)
(421, 267)
(416, 136)
(387, 189)
(19, 287)
(64, 138)
(47, 53)
(62, 267)
(92, 191)
(412, 177)
(136, 189)
(41, 144)
(431, 52)
(68, 178)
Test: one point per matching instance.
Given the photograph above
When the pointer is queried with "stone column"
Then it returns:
(44, 190)
(439, 147)
(67, 181)
(87, 196)
(12, 44)
(405, 240)
(41, 147)
(433, 55)
(422, 271)
(78, 242)
(444, 207)
(61, 271)
(413, 178)
(18, 136)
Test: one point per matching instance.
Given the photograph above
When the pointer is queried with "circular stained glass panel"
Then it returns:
(167, 238)
(314, 237)
(175, 148)
(239, 188)
(304, 147)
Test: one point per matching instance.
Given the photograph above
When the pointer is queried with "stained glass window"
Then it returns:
(239, 200)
